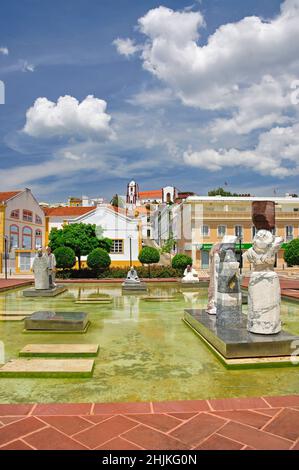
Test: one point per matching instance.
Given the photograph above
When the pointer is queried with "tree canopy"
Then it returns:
(222, 192)
(291, 253)
(80, 237)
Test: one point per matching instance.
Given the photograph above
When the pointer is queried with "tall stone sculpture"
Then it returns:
(229, 296)
(213, 284)
(264, 288)
(40, 270)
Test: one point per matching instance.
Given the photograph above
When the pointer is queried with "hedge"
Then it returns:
(119, 273)
(98, 259)
(181, 261)
(65, 257)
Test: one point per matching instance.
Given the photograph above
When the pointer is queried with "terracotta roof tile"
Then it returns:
(67, 211)
(150, 194)
(4, 196)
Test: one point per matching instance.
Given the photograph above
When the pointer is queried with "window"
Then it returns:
(289, 233)
(27, 238)
(14, 236)
(205, 230)
(117, 247)
(239, 231)
(15, 214)
(27, 215)
(38, 239)
(25, 262)
(221, 230)
(38, 220)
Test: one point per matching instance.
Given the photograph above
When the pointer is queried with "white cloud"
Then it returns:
(232, 68)
(4, 50)
(69, 118)
(27, 67)
(126, 46)
(152, 97)
(276, 154)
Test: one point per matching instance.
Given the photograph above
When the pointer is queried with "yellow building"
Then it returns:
(204, 220)
(22, 230)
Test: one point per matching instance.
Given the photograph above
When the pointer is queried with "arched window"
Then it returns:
(27, 238)
(15, 214)
(38, 239)
(14, 236)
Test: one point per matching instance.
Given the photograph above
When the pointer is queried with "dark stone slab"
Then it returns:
(263, 215)
(135, 287)
(238, 342)
(44, 292)
(57, 321)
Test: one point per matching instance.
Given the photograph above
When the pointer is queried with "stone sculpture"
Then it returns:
(51, 267)
(40, 270)
(264, 288)
(213, 285)
(132, 275)
(190, 275)
(229, 296)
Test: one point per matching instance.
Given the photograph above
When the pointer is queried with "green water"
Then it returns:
(146, 352)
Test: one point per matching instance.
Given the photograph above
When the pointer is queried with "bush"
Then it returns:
(149, 255)
(181, 261)
(291, 253)
(118, 273)
(98, 259)
(65, 257)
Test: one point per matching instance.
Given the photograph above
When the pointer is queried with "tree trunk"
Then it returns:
(149, 271)
(79, 262)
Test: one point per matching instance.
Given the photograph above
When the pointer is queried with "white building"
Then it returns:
(124, 231)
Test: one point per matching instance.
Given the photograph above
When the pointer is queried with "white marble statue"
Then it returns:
(132, 275)
(264, 288)
(40, 270)
(190, 275)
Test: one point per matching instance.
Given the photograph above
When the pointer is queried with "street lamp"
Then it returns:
(240, 251)
(5, 254)
(130, 238)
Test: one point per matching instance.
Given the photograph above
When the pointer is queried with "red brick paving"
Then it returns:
(7, 284)
(262, 423)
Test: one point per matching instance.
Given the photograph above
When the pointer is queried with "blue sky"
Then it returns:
(164, 111)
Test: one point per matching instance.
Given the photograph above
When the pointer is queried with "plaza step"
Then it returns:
(48, 368)
(12, 318)
(59, 350)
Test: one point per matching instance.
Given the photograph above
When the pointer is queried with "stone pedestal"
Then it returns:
(57, 321)
(238, 343)
(132, 286)
(44, 292)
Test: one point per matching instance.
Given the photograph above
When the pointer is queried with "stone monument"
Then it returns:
(43, 278)
(132, 282)
(264, 289)
(229, 296)
(190, 275)
(40, 271)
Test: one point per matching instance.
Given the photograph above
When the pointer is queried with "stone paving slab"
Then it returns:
(12, 318)
(62, 350)
(13, 313)
(47, 368)
(216, 424)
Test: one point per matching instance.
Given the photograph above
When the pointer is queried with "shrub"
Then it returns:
(98, 259)
(65, 257)
(118, 273)
(181, 261)
(149, 255)
(291, 253)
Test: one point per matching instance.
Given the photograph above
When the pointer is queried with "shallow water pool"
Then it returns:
(147, 353)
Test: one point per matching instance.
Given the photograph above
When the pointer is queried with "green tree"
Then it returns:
(98, 260)
(65, 257)
(80, 237)
(181, 261)
(116, 201)
(223, 193)
(149, 255)
(291, 253)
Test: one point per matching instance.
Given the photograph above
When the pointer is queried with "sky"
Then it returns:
(195, 94)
